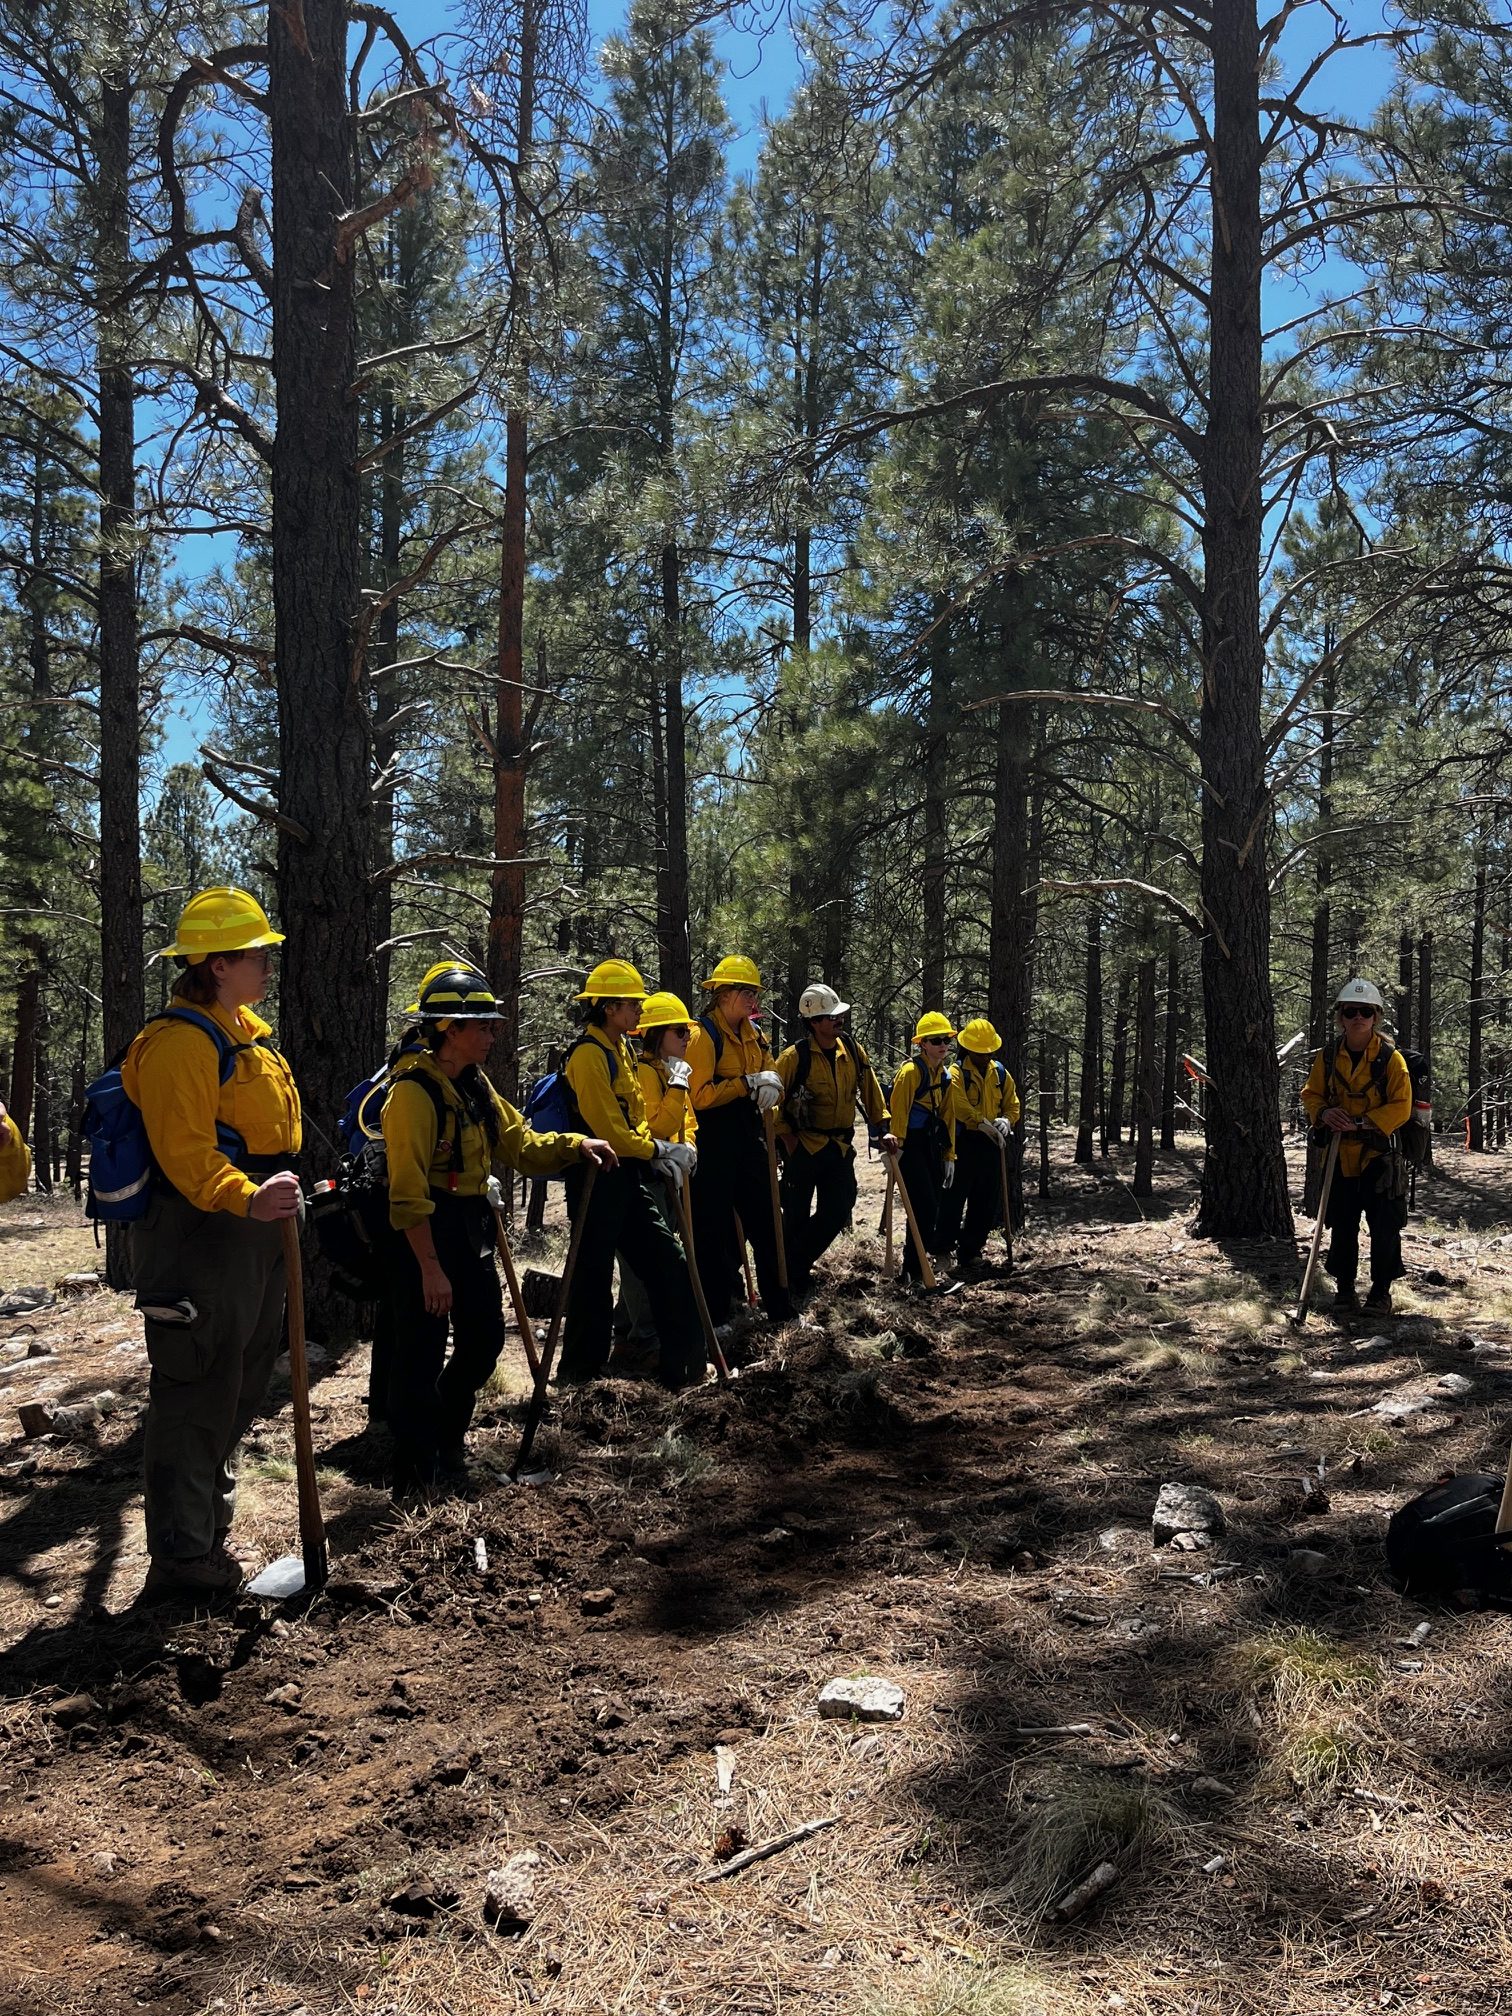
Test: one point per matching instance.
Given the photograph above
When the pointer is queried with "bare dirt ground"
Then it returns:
(1304, 1792)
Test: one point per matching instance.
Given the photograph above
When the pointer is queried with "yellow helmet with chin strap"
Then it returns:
(980, 1037)
(613, 980)
(932, 1023)
(734, 971)
(662, 1011)
(456, 994)
(220, 920)
(441, 966)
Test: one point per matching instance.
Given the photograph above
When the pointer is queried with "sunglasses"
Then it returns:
(674, 1029)
(935, 1043)
(1357, 1014)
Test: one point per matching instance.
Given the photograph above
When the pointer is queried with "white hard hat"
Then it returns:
(817, 999)
(1363, 992)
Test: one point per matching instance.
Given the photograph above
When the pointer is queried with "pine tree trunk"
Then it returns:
(392, 420)
(23, 1081)
(1086, 1114)
(1319, 992)
(1017, 822)
(1046, 1106)
(1244, 1171)
(1146, 1082)
(330, 1021)
(74, 1164)
(1425, 1019)
(936, 824)
(1404, 991)
(1171, 1057)
(506, 908)
(1475, 1112)
(44, 1141)
(1120, 1063)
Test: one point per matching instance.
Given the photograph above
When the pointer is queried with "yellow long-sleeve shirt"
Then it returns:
(15, 1161)
(935, 1094)
(422, 1156)
(613, 1110)
(722, 1082)
(824, 1109)
(980, 1094)
(669, 1110)
(172, 1072)
(1352, 1086)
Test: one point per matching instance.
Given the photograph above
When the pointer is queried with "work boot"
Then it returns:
(205, 1576)
(1345, 1301)
(1378, 1302)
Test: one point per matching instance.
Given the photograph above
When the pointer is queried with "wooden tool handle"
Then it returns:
(311, 1524)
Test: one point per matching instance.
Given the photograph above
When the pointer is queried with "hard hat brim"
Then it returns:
(252, 944)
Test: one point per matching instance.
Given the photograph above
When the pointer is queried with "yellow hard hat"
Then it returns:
(932, 1023)
(441, 966)
(980, 1036)
(614, 980)
(456, 994)
(221, 920)
(662, 1011)
(734, 971)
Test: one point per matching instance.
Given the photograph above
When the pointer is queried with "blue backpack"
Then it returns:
(353, 1127)
(549, 1105)
(122, 1170)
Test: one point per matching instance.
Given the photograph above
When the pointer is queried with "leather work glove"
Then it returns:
(676, 1158)
(679, 1073)
(1003, 1130)
(765, 1087)
(496, 1193)
(949, 1176)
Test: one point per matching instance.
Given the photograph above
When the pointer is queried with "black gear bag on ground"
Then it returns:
(1443, 1541)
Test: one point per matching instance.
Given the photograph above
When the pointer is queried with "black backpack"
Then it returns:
(351, 1212)
(1444, 1540)
(1414, 1138)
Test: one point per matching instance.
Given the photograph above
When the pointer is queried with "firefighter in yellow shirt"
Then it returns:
(664, 1073)
(15, 1159)
(624, 1213)
(924, 1111)
(824, 1074)
(1360, 1089)
(207, 1257)
(733, 1085)
(444, 1127)
(988, 1111)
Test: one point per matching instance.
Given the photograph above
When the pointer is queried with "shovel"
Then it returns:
(930, 1282)
(685, 1226)
(549, 1349)
(1007, 1206)
(506, 1261)
(294, 1574)
(769, 1121)
(752, 1298)
(1299, 1316)
(887, 1225)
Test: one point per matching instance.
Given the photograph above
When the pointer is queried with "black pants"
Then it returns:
(922, 1164)
(621, 1214)
(974, 1203)
(818, 1197)
(1347, 1199)
(431, 1396)
(733, 1177)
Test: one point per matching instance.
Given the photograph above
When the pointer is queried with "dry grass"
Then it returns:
(42, 1239)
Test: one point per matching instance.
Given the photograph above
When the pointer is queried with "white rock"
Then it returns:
(509, 1893)
(1456, 1383)
(869, 1699)
(1186, 1508)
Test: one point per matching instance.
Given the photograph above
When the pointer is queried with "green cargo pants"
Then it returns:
(210, 1373)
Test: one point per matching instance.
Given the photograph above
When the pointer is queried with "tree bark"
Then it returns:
(1475, 1111)
(329, 1012)
(936, 850)
(1170, 1060)
(1119, 1076)
(1244, 1170)
(123, 1004)
(1404, 991)
(1086, 1116)
(1146, 1081)
(1425, 1020)
(44, 1131)
(23, 1081)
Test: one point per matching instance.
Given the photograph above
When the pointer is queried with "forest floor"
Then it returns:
(1302, 1778)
